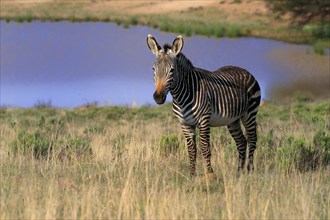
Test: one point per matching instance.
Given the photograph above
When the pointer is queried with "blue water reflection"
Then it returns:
(77, 63)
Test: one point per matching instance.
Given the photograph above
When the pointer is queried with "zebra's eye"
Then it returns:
(171, 70)
(153, 68)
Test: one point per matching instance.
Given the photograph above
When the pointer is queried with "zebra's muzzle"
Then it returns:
(159, 98)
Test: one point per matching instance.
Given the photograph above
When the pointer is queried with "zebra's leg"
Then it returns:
(237, 134)
(251, 133)
(190, 135)
(204, 131)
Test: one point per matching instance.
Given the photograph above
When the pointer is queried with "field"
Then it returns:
(123, 162)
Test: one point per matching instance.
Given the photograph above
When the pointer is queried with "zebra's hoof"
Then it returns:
(250, 168)
(240, 173)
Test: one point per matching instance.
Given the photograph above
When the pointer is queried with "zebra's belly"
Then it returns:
(217, 121)
(188, 119)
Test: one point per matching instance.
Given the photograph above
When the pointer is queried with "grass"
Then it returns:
(120, 162)
(319, 48)
(204, 28)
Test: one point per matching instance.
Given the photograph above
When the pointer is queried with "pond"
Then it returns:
(73, 64)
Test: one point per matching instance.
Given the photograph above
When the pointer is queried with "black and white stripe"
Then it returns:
(204, 99)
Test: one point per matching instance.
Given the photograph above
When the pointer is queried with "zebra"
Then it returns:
(229, 96)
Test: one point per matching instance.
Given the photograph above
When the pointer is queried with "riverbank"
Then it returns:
(232, 18)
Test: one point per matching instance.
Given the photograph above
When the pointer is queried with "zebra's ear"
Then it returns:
(152, 44)
(177, 45)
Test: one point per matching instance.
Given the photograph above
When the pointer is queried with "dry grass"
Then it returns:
(128, 177)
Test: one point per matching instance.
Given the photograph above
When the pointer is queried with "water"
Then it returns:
(72, 64)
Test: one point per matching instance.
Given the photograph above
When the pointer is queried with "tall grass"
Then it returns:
(137, 166)
(190, 27)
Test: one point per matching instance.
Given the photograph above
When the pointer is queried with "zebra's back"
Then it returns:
(232, 92)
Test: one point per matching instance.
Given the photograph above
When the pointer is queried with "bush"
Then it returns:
(43, 104)
(219, 31)
(321, 142)
(295, 154)
(318, 48)
(169, 144)
(234, 31)
(30, 143)
(298, 154)
(301, 96)
(94, 129)
(133, 20)
(317, 30)
(49, 140)
(76, 147)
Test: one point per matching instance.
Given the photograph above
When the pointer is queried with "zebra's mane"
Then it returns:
(183, 60)
(167, 47)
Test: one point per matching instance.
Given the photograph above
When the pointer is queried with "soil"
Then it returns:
(228, 10)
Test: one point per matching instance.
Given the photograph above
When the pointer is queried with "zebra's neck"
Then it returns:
(184, 81)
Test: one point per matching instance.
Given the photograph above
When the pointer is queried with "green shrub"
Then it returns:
(183, 28)
(321, 142)
(301, 96)
(76, 147)
(90, 18)
(326, 30)
(133, 20)
(219, 31)
(165, 25)
(115, 112)
(19, 19)
(318, 48)
(203, 29)
(30, 144)
(154, 25)
(294, 155)
(72, 19)
(118, 22)
(48, 140)
(234, 31)
(298, 154)
(43, 104)
(169, 144)
(94, 129)
(318, 30)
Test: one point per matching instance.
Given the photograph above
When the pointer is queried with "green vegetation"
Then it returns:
(319, 47)
(169, 144)
(318, 30)
(303, 11)
(227, 18)
(312, 17)
(121, 162)
(48, 138)
(195, 27)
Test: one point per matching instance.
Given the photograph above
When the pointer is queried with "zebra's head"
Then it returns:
(164, 66)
